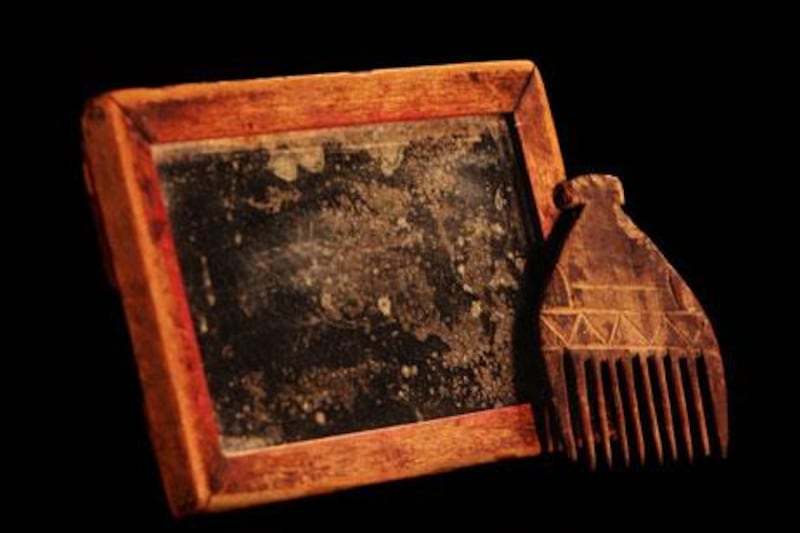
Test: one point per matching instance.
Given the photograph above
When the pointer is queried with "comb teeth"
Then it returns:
(596, 409)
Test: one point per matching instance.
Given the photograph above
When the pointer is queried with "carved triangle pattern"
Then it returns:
(623, 329)
(585, 333)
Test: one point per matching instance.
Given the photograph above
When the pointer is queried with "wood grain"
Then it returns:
(119, 131)
(232, 109)
(537, 135)
(397, 452)
(168, 372)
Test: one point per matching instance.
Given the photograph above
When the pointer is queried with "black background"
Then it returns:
(703, 138)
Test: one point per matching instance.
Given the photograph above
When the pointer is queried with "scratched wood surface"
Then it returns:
(352, 278)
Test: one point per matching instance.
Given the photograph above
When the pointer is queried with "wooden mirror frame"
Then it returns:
(120, 128)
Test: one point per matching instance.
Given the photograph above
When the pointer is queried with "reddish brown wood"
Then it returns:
(166, 369)
(232, 109)
(540, 148)
(379, 455)
(119, 130)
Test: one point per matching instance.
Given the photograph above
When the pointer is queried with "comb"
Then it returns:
(631, 358)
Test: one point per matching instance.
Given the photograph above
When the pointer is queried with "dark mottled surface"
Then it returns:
(347, 279)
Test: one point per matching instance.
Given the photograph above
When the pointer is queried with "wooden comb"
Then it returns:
(627, 348)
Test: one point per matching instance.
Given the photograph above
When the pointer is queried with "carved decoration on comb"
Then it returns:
(628, 350)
